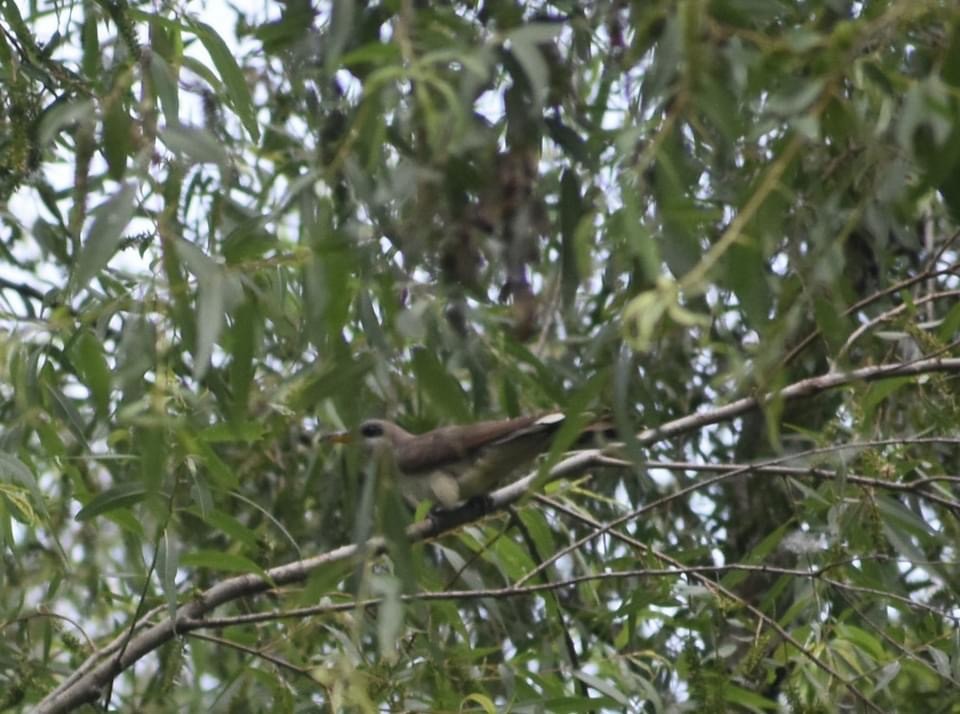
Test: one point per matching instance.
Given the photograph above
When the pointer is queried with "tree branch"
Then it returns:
(803, 388)
(93, 675)
(511, 591)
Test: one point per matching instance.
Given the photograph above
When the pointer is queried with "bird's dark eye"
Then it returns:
(371, 430)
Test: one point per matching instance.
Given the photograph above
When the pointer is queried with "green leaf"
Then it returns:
(571, 211)
(940, 660)
(543, 385)
(524, 43)
(110, 219)
(570, 141)
(11, 466)
(166, 88)
(757, 555)
(62, 115)
(341, 30)
(833, 325)
(747, 699)
(572, 705)
(152, 443)
(887, 674)
(198, 262)
(210, 319)
(90, 42)
(221, 474)
(799, 95)
(92, 365)
(63, 408)
(117, 137)
(220, 561)
(327, 289)
(950, 67)
(863, 640)
(340, 380)
(440, 387)
(19, 502)
(536, 524)
(232, 76)
(248, 431)
(245, 336)
(167, 562)
(376, 53)
(233, 529)
(575, 408)
(197, 144)
(123, 495)
(485, 703)
(951, 323)
(201, 70)
(747, 276)
(535, 33)
(878, 391)
(604, 686)
(513, 561)
(389, 615)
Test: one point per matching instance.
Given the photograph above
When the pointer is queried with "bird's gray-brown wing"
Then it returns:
(449, 445)
(502, 458)
(483, 458)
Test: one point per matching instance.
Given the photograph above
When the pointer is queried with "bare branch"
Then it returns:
(540, 588)
(890, 314)
(797, 390)
(272, 659)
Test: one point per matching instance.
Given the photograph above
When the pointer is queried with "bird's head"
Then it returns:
(373, 434)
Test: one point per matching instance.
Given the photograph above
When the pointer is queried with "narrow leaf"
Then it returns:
(89, 358)
(195, 143)
(232, 76)
(218, 560)
(121, 496)
(439, 386)
(103, 237)
(210, 309)
(167, 566)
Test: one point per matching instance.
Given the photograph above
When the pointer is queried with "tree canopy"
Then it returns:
(728, 226)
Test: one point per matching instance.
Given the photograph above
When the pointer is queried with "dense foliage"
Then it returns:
(729, 224)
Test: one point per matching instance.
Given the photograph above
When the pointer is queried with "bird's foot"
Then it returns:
(477, 506)
(470, 510)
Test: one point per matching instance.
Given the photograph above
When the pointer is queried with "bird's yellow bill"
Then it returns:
(339, 437)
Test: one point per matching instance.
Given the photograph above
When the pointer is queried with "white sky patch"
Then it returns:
(702, 505)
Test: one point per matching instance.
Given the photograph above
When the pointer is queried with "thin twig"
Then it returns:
(726, 474)
(273, 659)
(717, 589)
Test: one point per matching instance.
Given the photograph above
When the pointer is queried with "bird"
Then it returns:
(453, 464)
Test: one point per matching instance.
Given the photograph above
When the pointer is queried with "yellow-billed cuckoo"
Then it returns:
(452, 464)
